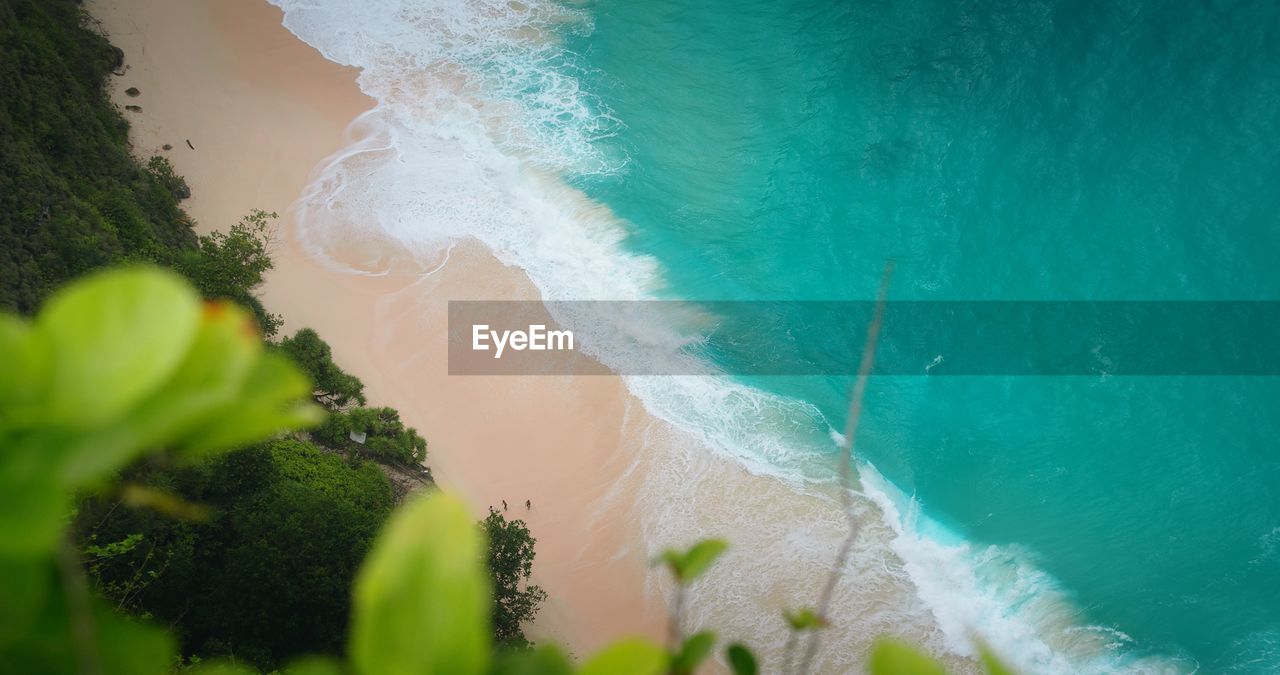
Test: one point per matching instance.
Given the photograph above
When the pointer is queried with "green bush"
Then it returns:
(129, 364)
(510, 563)
(335, 389)
(386, 438)
(266, 574)
(229, 265)
(123, 364)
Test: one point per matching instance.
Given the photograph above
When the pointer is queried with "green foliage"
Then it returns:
(690, 564)
(694, 651)
(268, 562)
(220, 668)
(991, 662)
(688, 652)
(314, 665)
(890, 657)
(335, 389)
(78, 406)
(94, 392)
(422, 599)
(229, 265)
(263, 563)
(627, 657)
(741, 660)
(511, 553)
(542, 660)
(162, 170)
(268, 575)
(803, 619)
(386, 437)
(72, 199)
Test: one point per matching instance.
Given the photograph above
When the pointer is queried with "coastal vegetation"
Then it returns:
(264, 570)
(183, 384)
(249, 555)
(72, 197)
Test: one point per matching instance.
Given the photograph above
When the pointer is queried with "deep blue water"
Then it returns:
(1071, 150)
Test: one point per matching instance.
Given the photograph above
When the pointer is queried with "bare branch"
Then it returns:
(846, 466)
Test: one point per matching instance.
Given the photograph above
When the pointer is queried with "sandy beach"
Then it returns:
(261, 109)
(610, 484)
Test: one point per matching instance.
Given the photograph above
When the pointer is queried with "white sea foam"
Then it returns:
(480, 118)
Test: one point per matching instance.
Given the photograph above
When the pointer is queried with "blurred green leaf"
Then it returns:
(117, 364)
(891, 657)
(543, 660)
(992, 662)
(276, 398)
(693, 652)
(700, 557)
(421, 601)
(225, 668)
(803, 619)
(741, 660)
(128, 647)
(690, 564)
(116, 645)
(212, 379)
(315, 665)
(33, 506)
(113, 338)
(160, 501)
(632, 656)
(24, 590)
(227, 392)
(23, 378)
(131, 362)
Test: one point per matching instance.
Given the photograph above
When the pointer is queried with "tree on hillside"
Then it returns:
(385, 437)
(266, 574)
(229, 265)
(511, 555)
(334, 388)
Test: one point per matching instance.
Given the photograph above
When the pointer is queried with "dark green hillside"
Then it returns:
(71, 196)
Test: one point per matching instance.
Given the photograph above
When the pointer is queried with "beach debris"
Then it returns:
(528, 504)
(504, 505)
(133, 108)
(118, 62)
(132, 91)
(358, 436)
(166, 146)
(189, 145)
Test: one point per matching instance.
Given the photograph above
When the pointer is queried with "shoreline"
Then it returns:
(613, 468)
(611, 483)
(262, 110)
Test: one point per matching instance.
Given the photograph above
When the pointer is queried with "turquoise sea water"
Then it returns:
(783, 150)
(1074, 150)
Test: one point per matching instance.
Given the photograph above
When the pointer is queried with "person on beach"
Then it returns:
(528, 504)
